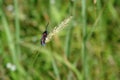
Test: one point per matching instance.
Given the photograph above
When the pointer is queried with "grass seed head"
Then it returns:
(58, 28)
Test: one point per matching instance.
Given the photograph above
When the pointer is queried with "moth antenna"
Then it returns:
(47, 26)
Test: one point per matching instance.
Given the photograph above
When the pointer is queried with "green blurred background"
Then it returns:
(87, 49)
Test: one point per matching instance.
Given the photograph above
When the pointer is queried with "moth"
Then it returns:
(44, 36)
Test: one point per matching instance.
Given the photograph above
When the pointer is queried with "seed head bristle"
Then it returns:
(58, 28)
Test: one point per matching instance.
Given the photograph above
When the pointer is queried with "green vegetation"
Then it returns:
(88, 48)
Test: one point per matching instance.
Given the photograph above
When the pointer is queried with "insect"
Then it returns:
(44, 36)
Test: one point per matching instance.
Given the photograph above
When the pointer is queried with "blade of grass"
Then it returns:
(84, 54)
(17, 27)
(68, 42)
(17, 36)
(69, 65)
(56, 69)
(1, 45)
(10, 40)
(70, 74)
(11, 44)
(94, 25)
(54, 55)
(9, 37)
(102, 38)
(69, 33)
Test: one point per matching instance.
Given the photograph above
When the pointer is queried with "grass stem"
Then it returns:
(84, 52)
(17, 27)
